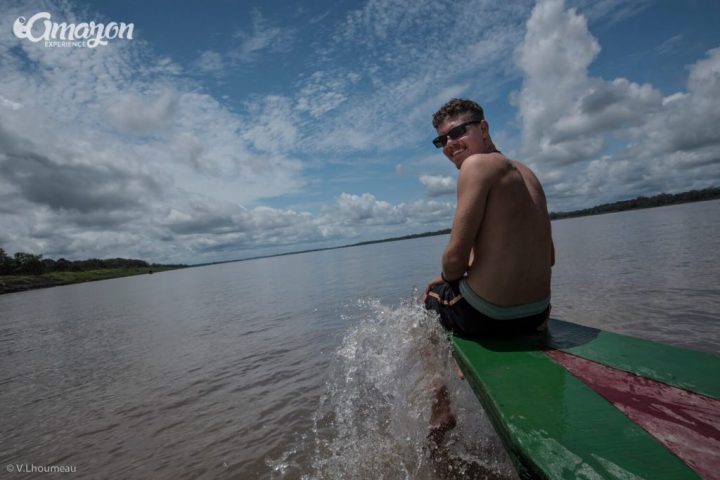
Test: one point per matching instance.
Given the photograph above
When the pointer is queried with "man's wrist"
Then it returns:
(445, 279)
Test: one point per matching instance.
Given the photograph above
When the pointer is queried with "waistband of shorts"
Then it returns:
(497, 312)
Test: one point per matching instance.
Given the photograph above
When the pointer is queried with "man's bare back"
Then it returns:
(513, 246)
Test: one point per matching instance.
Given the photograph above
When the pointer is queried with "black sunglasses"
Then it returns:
(454, 133)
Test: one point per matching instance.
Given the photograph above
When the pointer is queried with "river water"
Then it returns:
(312, 366)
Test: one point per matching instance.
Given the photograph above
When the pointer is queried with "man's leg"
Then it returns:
(441, 300)
(442, 419)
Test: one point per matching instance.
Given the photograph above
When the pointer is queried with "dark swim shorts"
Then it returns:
(458, 316)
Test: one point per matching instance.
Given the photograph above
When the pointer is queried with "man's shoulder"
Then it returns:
(486, 164)
(526, 172)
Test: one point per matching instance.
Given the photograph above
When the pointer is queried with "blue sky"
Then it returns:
(229, 129)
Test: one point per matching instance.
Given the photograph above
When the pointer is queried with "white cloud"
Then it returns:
(607, 106)
(438, 185)
(405, 71)
(609, 138)
(554, 58)
(681, 139)
(273, 127)
(10, 104)
(705, 75)
(212, 228)
(366, 210)
(143, 114)
(324, 92)
(263, 37)
(101, 146)
(671, 45)
(210, 62)
(611, 11)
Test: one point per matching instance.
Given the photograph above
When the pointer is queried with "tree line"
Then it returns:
(644, 202)
(22, 263)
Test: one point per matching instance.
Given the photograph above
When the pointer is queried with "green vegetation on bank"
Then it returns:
(643, 202)
(25, 271)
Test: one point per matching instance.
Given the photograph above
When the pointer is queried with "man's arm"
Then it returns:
(477, 175)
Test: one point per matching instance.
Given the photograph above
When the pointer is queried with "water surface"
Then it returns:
(315, 365)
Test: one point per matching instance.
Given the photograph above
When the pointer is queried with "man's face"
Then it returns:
(469, 143)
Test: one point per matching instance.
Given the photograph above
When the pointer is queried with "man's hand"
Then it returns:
(435, 281)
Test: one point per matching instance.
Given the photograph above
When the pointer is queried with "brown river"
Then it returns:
(309, 366)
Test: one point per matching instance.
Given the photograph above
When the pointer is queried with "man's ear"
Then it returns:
(485, 127)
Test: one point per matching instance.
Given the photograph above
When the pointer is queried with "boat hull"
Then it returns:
(559, 424)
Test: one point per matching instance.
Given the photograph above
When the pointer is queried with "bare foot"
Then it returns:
(441, 421)
(441, 418)
(459, 372)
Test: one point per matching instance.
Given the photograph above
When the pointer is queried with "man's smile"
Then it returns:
(456, 154)
(455, 151)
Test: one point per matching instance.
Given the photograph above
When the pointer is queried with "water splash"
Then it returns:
(373, 420)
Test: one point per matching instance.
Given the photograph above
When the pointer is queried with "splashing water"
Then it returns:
(373, 420)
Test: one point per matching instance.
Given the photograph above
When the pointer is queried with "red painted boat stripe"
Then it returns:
(688, 424)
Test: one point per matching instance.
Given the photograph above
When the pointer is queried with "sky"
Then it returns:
(230, 129)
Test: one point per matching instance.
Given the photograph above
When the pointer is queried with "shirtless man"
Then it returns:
(496, 267)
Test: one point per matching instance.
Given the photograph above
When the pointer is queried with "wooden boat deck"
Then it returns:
(556, 425)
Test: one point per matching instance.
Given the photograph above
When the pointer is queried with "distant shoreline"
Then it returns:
(18, 283)
(639, 203)
(21, 283)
